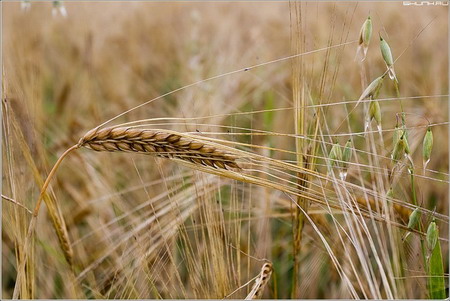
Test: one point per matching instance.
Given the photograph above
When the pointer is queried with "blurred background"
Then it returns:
(143, 227)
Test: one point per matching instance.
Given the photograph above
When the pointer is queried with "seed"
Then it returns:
(347, 153)
(160, 143)
(399, 148)
(387, 56)
(364, 39)
(427, 146)
(58, 7)
(386, 52)
(432, 235)
(335, 154)
(367, 31)
(346, 157)
(372, 90)
(397, 134)
(407, 150)
(375, 111)
(414, 218)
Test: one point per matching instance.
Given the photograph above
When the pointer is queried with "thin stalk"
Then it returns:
(31, 227)
(299, 120)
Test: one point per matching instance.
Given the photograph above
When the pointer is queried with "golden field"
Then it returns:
(271, 87)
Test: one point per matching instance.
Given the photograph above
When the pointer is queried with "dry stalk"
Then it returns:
(402, 211)
(57, 220)
(16, 203)
(61, 231)
(161, 143)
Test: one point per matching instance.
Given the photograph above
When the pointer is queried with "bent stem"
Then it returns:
(31, 227)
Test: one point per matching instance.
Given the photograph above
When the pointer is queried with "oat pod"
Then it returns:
(387, 56)
(364, 39)
(427, 146)
(347, 153)
(346, 158)
(432, 236)
(335, 155)
(414, 218)
(375, 111)
(372, 90)
(400, 148)
(407, 150)
(59, 8)
(404, 134)
(398, 132)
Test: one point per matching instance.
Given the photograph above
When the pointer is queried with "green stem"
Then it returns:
(414, 199)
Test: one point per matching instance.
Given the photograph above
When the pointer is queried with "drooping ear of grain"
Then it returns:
(396, 135)
(414, 218)
(335, 155)
(260, 282)
(364, 39)
(432, 236)
(375, 111)
(435, 271)
(346, 158)
(160, 143)
(372, 90)
(387, 56)
(347, 153)
(399, 149)
(427, 147)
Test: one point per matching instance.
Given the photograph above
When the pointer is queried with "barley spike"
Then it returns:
(161, 143)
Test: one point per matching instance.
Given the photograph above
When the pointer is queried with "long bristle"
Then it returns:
(159, 143)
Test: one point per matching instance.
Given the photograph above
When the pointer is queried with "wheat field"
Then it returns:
(225, 150)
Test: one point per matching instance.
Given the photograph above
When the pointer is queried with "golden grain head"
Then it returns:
(160, 143)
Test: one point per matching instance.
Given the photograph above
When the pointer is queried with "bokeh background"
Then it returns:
(143, 227)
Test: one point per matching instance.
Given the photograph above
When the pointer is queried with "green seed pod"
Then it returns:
(427, 146)
(347, 153)
(364, 39)
(375, 111)
(399, 148)
(387, 56)
(366, 32)
(372, 90)
(414, 218)
(405, 138)
(335, 154)
(386, 52)
(432, 235)
(397, 134)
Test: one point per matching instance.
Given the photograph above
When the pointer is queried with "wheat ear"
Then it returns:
(161, 143)
(260, 282)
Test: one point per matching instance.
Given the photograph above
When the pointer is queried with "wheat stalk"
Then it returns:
(175, 145)
(161, 143)
(260, 282)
